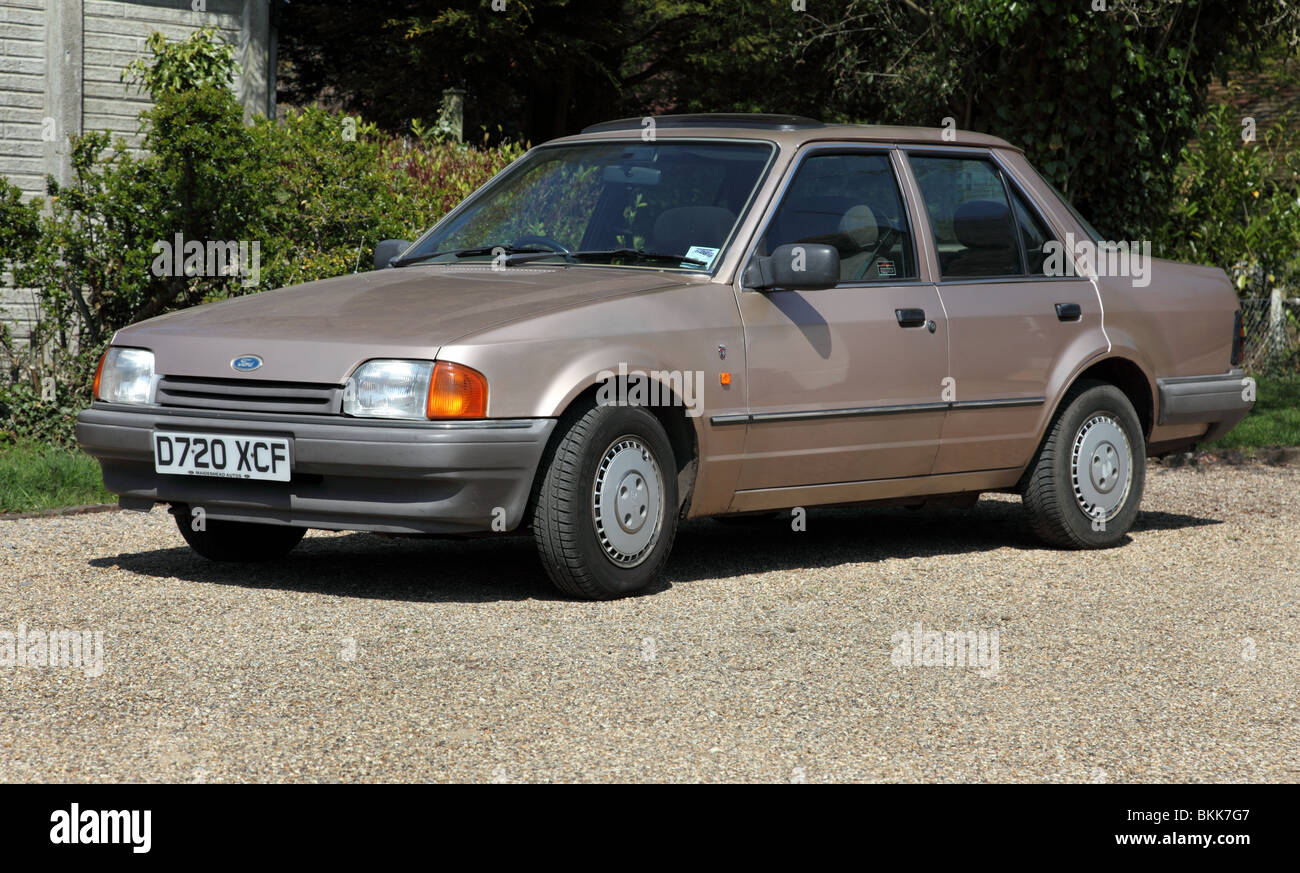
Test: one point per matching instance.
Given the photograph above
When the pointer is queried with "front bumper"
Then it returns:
(1218, 400)
(348, 474)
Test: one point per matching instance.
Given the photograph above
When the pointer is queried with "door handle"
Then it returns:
(1069, 311)
(910, 317)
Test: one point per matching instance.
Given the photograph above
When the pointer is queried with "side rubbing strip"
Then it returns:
(810, 414)
(998, 404)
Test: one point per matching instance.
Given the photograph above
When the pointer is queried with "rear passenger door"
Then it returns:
(844, 383)
(1012, 329)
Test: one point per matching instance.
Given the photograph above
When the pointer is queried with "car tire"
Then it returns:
(1083, 489)
(237, 541)
(605, 503)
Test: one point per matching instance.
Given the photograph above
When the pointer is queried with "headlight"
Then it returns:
(415, 389)
(389, 389)
(125, 376)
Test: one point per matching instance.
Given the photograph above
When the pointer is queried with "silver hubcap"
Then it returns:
(627, 501)
(1101, 467)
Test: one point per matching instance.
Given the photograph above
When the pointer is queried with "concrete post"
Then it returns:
(453, 112)
(63, 84)
(1276, 326)
(256, 84)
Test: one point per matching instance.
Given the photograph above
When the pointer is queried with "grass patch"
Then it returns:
(1275, 420)
(34, 477)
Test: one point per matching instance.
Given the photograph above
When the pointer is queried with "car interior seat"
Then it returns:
(984, 229)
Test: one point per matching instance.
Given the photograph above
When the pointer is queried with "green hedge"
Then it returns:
(315, 191)
(1236, 203)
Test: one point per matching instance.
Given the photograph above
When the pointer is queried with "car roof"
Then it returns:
(786, 130)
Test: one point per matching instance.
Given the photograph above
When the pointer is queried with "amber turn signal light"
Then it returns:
(99, 371)
(456, 391)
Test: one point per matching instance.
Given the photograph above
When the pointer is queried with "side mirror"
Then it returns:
(389, 249)
(807, 266)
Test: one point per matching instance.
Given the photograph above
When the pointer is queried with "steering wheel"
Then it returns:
(553, 244)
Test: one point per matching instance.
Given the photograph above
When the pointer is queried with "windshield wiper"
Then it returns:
(524, 257)
(467, 253)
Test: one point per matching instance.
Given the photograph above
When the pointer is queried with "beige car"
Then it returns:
(678, 317)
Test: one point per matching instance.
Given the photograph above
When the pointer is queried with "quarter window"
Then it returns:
(849, 200)
(1033, 234)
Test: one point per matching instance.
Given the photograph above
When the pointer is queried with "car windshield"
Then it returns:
(644, 204)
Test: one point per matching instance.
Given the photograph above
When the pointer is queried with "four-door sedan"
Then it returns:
(722, 314)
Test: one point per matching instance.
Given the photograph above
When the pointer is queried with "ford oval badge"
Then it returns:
(246, 363)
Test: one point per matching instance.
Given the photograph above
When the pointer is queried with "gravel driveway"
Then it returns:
(769, 654)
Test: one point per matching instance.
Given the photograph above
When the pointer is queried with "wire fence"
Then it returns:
(1272, 335)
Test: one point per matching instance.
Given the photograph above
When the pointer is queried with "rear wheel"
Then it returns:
(605, 505)
(236, 541)
(1083, 489)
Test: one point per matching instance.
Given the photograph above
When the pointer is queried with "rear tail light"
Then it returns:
(456, 391)
(1238, 337)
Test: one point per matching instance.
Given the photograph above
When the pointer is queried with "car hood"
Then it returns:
(320, 331)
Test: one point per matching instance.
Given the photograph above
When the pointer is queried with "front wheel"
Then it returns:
(236, 541)
(1083, 488)
(605, 505)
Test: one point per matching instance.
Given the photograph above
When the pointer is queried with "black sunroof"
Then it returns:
(712, 119)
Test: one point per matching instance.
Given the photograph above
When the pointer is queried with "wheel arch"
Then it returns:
(1128, 377)
(1124, 373)
(682, 430)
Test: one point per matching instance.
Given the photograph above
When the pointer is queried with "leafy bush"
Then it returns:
(314, 193)
(27, 414)
(202, 61)
(331, 187)
(20, 224)
(1101, 96)
(1237, 204)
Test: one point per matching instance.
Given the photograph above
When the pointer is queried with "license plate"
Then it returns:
(221, 455)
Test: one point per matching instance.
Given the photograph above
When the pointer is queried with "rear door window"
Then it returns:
(970, 216)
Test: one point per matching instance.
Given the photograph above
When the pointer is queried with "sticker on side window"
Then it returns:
(885, 268)
(700, 253)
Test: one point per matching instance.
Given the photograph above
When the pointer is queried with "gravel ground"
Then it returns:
(767, 654)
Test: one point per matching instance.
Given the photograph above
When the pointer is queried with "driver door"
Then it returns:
(846, 383)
